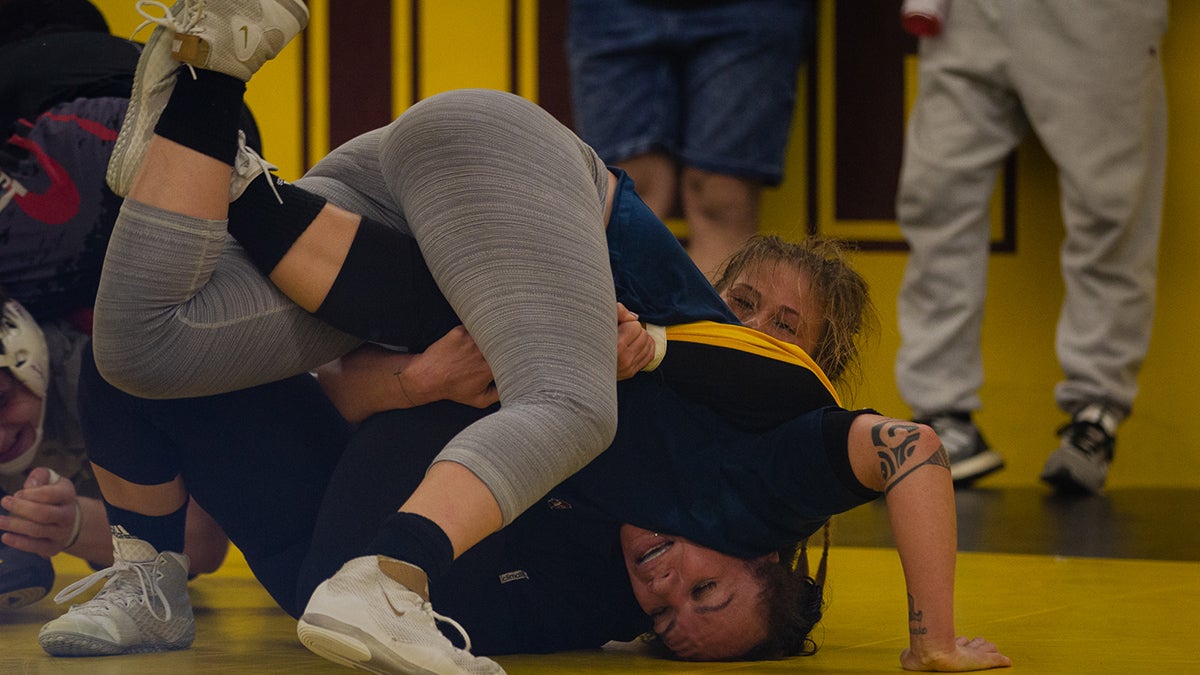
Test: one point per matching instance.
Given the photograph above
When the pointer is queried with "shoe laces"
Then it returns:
(193, 12)
(1088, 437)
(249, 163)
(123, 574)
(428, 608)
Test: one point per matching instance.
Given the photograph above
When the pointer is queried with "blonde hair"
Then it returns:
(850, 318)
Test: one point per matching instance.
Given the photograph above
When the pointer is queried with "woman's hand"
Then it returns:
(635, 347)
(41, 515)
(372, 379)
(451, 369)
(969, 654)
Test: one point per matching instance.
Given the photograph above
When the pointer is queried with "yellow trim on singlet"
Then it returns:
(740, 338)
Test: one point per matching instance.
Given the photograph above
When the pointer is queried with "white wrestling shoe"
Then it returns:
(144, 607)
(237, 37)
(362, 618)
(234, 37)
(247, 166)
(153, 82)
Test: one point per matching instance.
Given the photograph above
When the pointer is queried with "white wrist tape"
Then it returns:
(659, 335)
(77, 526)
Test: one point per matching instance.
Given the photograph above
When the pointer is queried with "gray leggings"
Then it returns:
(507, 206)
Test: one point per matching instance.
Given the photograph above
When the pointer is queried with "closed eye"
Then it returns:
(702, 589)
(737, 302)
(785, 327)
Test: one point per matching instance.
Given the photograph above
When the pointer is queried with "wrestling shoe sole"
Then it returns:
(346, 645)
(153, 82)
(77, 644)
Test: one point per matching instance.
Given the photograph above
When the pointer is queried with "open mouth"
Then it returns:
(655, 552)
(17, 446)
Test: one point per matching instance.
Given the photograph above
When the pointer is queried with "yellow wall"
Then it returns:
(1156, 446)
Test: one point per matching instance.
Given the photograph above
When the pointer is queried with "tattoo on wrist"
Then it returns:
(398, 373)
(915, 617)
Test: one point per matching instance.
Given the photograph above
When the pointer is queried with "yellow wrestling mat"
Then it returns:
(1051, 615)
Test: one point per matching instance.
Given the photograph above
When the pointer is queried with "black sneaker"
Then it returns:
(970, 456)
(1080, 464)
(25, 577)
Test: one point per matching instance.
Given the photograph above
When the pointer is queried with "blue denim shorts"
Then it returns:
(710, 83)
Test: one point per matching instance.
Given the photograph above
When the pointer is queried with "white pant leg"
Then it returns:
(1095, 97)
(963, 125)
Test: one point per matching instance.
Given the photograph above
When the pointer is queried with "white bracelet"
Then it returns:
(77, 527)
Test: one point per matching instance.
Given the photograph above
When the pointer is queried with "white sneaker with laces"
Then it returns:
(362, 618)
(144, 606)
(234, 37)
(237, 37)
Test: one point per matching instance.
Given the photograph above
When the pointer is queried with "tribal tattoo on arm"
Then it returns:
(896, 441)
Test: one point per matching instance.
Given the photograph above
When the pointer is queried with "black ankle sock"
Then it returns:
(265, 227)
(415, 540)
(204, 113)
(164, 533)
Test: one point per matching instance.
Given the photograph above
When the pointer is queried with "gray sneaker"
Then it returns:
(1085, 452)
(144, 607)
(362, 618)
(970, 456)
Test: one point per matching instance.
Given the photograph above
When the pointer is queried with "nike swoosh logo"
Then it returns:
(387, 596)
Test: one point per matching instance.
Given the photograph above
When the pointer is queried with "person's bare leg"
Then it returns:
(307, 271)
(656, 179)
(181, 180)
(721, 212)
(471, 515)
(204, 541)
(150, 500)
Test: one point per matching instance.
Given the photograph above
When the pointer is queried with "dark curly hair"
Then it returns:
(794, 602)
